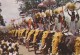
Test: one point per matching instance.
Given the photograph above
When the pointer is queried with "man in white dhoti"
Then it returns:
(58, 22)
(72, 27)
(73, 24)
(74, 17)
(59, 26)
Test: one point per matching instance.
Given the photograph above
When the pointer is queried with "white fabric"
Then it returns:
(8, 43)
(15, 53)
(9, 47)
(13, 44)
(66, 34)
(72, 27)
(10, 54)
(64, 30)
(59, 26)
(69, 33)
(54, 30)
(4, 46)
(56, 21)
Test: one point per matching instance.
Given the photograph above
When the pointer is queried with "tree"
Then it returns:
(2, 21)
(62, 2)
(29, 4)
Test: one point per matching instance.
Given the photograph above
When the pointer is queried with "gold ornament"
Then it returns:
(77, 46)
(29, 35)
(45, 34)
(35, 35)
(56, 40)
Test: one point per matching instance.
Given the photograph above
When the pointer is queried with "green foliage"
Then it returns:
(62, 2)
(2, 21)
(27, 6)
(30, 4)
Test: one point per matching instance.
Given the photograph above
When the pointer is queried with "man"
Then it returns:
(73, 23)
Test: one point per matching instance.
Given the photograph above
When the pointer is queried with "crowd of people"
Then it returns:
(53, 20)
(8, 45)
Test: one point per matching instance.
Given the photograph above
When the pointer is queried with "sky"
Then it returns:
(9, 10)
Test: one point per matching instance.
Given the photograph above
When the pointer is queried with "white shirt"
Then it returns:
(15, 53)
(10, 54)
(8, 43)
(13, 45)
(9, 47)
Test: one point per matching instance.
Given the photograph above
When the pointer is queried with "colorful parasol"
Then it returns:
(42, 5)
(49, 2)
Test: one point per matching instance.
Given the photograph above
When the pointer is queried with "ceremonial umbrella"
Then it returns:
(42, 5)
(49, 2)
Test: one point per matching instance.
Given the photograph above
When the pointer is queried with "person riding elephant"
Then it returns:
(74, 17)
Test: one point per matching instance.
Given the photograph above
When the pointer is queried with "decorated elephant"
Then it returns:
(77, 46)
(65, 44)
